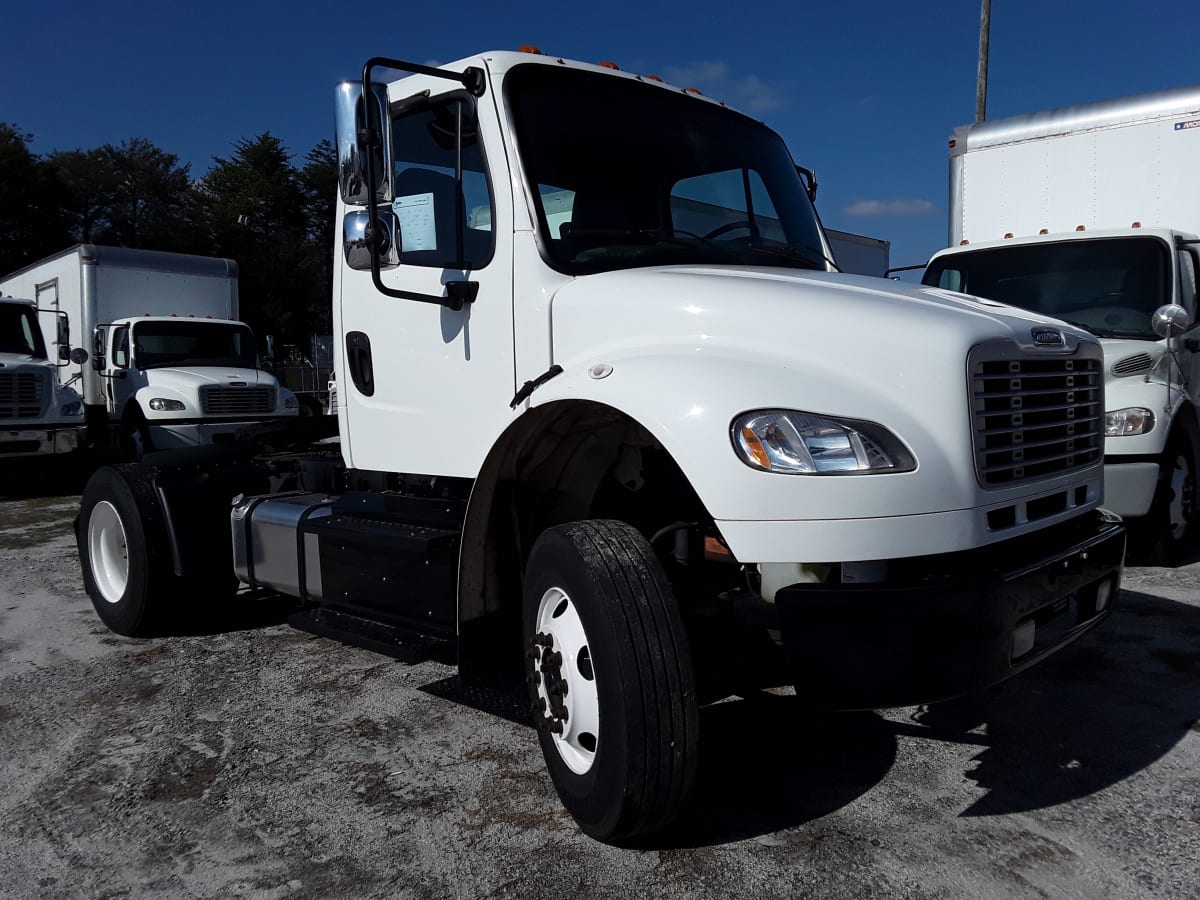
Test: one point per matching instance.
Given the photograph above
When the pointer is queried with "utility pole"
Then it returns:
(985, 27)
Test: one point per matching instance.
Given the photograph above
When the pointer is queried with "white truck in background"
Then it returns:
(1090, 214)
(170, 365)
(638, 442)
(39, 414)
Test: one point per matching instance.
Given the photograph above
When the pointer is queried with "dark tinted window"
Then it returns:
(1110, 287)
(19, 332)
(665, 178)
(181, 343)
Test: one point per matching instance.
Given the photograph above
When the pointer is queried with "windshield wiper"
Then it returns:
(815, 258)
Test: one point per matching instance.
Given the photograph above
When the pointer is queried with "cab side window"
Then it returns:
(120, 348)
(439, 225)
(1187, 282)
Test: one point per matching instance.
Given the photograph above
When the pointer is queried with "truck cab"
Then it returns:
(610, 419)
(183, 381)
(1113, 282)
(38, 416)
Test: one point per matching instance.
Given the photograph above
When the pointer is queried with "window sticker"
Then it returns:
(418, 225)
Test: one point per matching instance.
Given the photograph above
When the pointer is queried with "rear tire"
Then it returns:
(611, 679)
(123, 551)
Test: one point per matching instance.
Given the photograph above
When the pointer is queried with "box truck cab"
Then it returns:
(638, 440)
(38, 416)
(170, 365)
(1090, 214)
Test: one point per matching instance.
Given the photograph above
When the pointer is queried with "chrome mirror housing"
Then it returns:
(350, 126)
(1170, 319)
(355, 240)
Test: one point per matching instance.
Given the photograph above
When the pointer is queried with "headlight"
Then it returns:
(1132, 420)
(290, 402)
(74, 408)
(801, 443)
(162, 404)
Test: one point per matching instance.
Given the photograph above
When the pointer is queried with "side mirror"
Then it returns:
(78, 356)
(809, 178)
(1170, 320)
(356, 239)
(64, 332)
(64, 352)
(350, 114)
(98, 363)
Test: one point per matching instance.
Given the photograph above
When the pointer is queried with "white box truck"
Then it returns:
(39, 414)
(170, 364)
(648, 456)
(1090, 214)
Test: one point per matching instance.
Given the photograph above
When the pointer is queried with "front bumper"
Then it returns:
(1129, 485)
(946, 626)
(40, 442)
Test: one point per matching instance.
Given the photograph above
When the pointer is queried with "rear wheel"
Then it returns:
(611, 678)
(123, 551)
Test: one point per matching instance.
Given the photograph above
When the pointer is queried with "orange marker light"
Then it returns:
(609, 65)
(652, 78)
(1007, 235)
(529, 48)
(963, 242)
(953, 144)
(1080, 228)
(1136, 225)
(754, 445)
(695, 91)
(1044, 231)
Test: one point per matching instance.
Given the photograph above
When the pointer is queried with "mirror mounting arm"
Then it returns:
(458, 293)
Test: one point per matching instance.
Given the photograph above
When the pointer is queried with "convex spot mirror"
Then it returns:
(385, 234)
(78, 356)
(1170, 319)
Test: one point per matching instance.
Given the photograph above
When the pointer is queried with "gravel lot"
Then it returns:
(259, 761)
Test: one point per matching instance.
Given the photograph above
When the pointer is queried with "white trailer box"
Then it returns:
(1090, 214)
(170, 364)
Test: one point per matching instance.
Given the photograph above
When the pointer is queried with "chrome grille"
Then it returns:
(1036, 416)
(237, 400)
(21, 395)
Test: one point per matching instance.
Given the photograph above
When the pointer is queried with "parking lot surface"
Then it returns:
(250, 759)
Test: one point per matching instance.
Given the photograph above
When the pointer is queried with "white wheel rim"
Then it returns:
(558, 618)
(108, 552)
(1183, 498)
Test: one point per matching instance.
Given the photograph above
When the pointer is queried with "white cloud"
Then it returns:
(889, 208)
(715, 79)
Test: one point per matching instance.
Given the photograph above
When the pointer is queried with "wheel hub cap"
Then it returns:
(108, 551)
(567, 704)
(1183, 497)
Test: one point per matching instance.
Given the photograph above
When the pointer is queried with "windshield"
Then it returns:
(652, 177)
(184, 343)
(1110, 286)
(19, 332)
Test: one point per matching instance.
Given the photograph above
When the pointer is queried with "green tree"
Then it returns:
(88, 186)
(30, 223)
(255, 212)
(319, 181)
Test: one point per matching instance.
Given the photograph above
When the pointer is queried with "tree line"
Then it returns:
(273, 217)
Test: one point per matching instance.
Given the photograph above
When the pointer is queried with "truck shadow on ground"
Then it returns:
(1098, 713)
(28, 479)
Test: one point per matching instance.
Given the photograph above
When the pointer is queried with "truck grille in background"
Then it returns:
(21, 395)
(1036, 417)
(237, 400)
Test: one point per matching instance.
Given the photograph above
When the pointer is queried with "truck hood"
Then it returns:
(769, 313)
(192, 377)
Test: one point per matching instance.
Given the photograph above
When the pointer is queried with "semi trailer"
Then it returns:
(640, 441)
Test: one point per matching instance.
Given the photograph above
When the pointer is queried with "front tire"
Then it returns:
(123, 551)
(611, 679)
(1169, 529)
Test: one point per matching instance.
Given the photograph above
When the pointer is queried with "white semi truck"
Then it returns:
(170, 365)
(652, 454)
(40, 415)
(1090, 214)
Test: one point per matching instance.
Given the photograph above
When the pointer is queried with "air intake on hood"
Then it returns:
(1133, 365)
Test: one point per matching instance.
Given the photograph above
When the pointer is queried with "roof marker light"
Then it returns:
(953, 143)
(695, 91)
(1136, 225)
(652, 78)
(963, 242)
(1080, 228)
(1008, 235)
(529, 48)
(608, 64)
(1044, 231)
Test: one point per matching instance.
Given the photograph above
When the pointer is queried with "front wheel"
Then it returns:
(611, 678)
(123, 552)
(1169, 529)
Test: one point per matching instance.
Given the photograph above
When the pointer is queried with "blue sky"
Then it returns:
(865, 93)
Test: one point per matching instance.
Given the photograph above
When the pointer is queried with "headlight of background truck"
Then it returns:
(162, 404)
(1131, 420)
(802, 443)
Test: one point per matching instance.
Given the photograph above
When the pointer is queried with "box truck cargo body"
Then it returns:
(169, 364)
(1090, 214)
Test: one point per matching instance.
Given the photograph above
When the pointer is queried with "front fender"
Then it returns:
(145, 394)
(688, 401)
